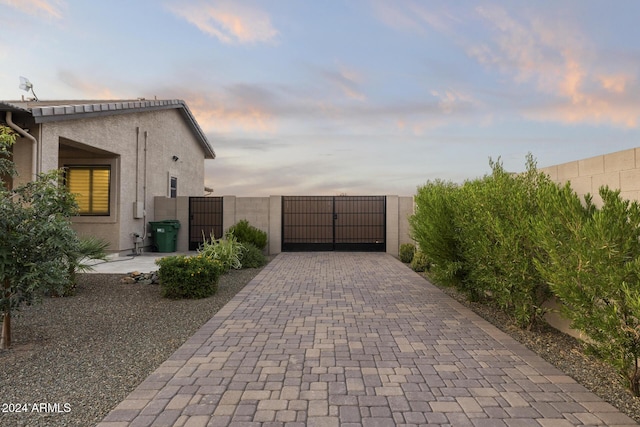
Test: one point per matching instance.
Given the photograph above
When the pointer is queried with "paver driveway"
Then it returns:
(352, 339)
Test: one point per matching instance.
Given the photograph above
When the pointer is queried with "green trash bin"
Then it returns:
(165, 235)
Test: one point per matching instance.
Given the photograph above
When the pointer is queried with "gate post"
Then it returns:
(275, 225)
(393, 241)
(228, 213)
(182, 215)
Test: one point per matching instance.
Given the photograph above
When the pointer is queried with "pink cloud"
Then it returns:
(225, 111)
(347, 81)
(561, 61)
(614, 83)
(551, 54)
(413, 16)
(229, 22)
(450, 100)
(218, 118)
(86, 87)
(48, 8)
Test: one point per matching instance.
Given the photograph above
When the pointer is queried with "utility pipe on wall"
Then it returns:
(25, 134)
(144, 191)
(137, 160)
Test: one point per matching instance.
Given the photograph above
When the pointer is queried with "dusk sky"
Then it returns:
(348, 96)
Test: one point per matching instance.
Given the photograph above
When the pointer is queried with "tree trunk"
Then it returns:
(5, 341)
(5, 338)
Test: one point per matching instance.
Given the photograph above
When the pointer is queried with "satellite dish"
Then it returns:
(27, 86)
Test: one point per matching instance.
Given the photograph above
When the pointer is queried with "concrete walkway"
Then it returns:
(126, 264)
(346, 339)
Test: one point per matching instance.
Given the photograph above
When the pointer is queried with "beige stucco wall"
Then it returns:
(399, 209)
(619, 170)
(253, 209)
(22, 155)
(275, 225)
(405, 210)
(256, 210)
(392, 226)
(164, 133)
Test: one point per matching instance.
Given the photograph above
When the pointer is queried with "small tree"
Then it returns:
(37, 240)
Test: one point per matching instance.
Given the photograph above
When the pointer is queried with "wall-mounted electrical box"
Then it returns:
(138, 210)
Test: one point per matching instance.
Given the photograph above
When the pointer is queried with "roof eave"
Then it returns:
(54, 113)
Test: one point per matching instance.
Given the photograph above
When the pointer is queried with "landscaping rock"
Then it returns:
(150, 278)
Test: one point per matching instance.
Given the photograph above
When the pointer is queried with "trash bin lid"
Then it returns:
(166, 223)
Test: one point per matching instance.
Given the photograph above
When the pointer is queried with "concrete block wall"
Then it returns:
(265, 213)
(405, 210)
(253, 209)
(619, 170)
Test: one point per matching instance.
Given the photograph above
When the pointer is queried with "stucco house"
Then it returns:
(117, 156)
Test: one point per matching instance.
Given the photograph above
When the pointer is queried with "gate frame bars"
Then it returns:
(193, 245)
(333, 246)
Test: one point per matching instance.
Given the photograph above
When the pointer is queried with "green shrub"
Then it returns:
(591, 261)
(88, 248)
(227, 251)
(252, 257)
(246, 233)
(516, 239)
(433, 227)
(406, 252)
(497, 242)
(188, 276)
(420, 262)
(479, 238)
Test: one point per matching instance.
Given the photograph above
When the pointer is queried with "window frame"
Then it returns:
(173, 189)
(91, 168)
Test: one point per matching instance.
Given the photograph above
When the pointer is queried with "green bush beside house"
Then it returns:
(188, 276)
(197, 276)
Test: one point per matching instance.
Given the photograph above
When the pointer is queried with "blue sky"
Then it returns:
(348, 96)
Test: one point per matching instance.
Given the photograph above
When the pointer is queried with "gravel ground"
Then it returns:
(86, 353)
(91, 350)
(564, 352)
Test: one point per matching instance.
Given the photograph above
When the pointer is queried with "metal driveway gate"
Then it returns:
(205, 217)
(328, 223)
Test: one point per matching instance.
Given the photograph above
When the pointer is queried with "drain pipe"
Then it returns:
(25, 134)
(144, 192)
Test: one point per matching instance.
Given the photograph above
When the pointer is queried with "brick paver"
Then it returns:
(352, 339)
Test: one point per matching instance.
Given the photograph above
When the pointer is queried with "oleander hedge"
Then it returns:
(514, 240)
